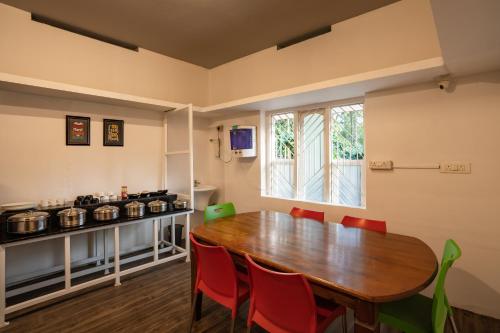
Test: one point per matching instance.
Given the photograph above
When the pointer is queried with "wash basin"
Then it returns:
(202, 194)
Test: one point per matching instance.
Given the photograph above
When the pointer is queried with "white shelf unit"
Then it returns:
(178, 156)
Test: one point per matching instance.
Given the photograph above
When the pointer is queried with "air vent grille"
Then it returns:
(83, 32)
(306, 36)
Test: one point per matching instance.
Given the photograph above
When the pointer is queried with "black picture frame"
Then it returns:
(113, 134)
(77, 131)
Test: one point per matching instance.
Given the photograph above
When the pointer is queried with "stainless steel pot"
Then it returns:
(28, 222)
(180, 204)
(157, 206)
(135, 209)
(106, 213)
(72, 217)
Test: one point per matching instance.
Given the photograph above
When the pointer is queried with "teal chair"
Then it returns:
(420, 314)
(216, 211)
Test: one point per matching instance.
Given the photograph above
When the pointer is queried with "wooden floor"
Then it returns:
(157, 300)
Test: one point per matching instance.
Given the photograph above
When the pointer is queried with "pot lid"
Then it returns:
(157, 203)
(73, 211)
(180, 202)
(107, 209)
(28, 216)
(135, 204)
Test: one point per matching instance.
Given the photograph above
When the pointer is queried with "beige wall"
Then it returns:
(36, 163)
(40, 51)
(419, 125)
(397, 34)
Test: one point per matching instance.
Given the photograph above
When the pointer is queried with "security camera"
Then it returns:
(444, 84)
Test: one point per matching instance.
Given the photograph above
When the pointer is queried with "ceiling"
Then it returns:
(469, 34)
(207, 33)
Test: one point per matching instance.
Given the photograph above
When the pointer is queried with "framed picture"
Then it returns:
(113, 132)
(77, 131)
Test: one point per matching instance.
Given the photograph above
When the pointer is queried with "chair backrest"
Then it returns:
(215, 268)
(310, 214)
(216, 211)
(440, 305)
(284, 301)
(356, 222)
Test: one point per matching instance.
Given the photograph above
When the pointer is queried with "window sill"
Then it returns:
(298, 201)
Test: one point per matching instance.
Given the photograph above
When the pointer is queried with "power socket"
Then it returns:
(381, 165)
(455, 167)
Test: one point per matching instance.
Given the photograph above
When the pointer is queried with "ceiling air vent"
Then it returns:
(306, 36)
(83, 32)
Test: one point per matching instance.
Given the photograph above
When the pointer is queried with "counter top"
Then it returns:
(53, 227)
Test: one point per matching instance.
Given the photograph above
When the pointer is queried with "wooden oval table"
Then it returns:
(353, 267)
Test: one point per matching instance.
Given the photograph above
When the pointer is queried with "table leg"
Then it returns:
(106, 257)
(162, 236)
(2, 287)
(117, 256)
(172, 234)
(366, 318)
(188, 243)
(67, 262)
(155, 240)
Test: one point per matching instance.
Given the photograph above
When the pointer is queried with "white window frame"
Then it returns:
(299, 113)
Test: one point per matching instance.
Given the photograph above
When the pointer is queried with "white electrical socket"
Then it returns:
(455, 167)
(381, 165)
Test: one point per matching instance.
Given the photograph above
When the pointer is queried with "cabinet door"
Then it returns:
(178, 127)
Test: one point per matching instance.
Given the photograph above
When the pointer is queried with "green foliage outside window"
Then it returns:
(347, 135)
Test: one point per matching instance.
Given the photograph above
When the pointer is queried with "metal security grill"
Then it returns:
(318, 155)
(282, 177)
(347, 155)
(311, 157)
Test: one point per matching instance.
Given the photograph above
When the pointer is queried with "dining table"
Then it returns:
(357, 268)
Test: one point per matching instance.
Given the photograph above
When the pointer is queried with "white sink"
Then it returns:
(202, 194)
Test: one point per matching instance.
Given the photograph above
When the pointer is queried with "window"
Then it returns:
(317, 155)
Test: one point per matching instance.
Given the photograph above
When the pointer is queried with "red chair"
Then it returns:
(284, 302)
(356, 222)
(310, 214)
(217, 278)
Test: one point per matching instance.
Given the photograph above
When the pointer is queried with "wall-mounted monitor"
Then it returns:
(244, 140)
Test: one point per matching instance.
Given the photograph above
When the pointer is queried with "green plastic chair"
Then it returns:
(420, 314)
(216, 211)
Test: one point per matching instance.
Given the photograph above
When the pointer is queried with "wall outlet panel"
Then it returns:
(381, 165)
(455, 167)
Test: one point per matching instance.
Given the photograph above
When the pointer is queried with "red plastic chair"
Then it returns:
(284, 302)
(310, 214)
(218, 279)
(356, 222)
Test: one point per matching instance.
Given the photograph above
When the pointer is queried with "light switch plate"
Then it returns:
(381, 165)
(455, 167)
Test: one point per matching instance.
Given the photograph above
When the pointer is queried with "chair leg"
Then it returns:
(233, 320)
(344, 323)
(453, 324)
(193, 311)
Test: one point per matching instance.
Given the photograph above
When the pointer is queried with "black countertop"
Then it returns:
(53, 227)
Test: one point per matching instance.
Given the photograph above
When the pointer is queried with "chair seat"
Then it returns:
(327, 315)
(410, 315)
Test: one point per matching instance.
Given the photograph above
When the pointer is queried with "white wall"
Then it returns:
(420, 125)
(36, 164)
(397, 34)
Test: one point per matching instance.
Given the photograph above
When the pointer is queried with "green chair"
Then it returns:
(420, 314)
(216, 211)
